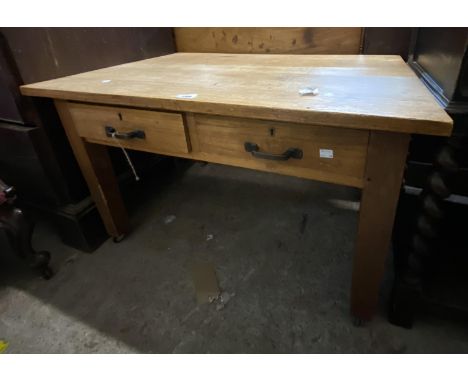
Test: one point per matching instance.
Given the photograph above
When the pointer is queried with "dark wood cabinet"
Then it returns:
(438, 56)
(387, 41)
(430, 242)
(35, 155)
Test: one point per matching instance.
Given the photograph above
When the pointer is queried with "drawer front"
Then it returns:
(330, 154)
(152, 131)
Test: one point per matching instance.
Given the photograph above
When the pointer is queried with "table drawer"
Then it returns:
(331, 154)
(137, 129)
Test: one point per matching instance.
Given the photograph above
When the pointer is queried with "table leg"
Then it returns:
(97, 170)
(385, 164)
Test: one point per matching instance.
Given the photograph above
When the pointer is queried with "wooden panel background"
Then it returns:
(386, 41)
(269, 40)
(44, 53)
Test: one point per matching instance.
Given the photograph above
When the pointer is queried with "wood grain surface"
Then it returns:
(385, 165)
(164, 132)
(222, 139)
(269, 40)
(363, 92)
(96, 167)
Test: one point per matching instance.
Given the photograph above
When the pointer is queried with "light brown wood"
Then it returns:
(362, 92)
(269, 40)
(384, 171)
(363, 101)
(165, 132)
(222, 139)
(97, 169)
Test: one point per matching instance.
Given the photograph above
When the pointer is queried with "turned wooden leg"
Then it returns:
(385, 164)
(97, 170)
(408, 285)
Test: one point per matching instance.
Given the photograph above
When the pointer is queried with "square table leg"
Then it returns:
(385, 165)
(97, 170)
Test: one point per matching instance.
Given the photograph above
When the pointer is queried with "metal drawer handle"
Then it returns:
(113, 133)
(289, 153)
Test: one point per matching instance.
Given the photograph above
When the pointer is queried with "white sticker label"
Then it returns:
(187, 96)
(326, 153)
(308, 91)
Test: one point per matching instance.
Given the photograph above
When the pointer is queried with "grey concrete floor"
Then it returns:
(290, 280)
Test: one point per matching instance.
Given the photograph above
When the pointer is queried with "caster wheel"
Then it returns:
(358, 322)
(47, 273)
(118, 239)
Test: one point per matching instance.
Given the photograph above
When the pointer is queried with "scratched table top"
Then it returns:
(356, 91)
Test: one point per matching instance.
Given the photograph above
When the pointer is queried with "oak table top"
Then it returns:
(356, 91)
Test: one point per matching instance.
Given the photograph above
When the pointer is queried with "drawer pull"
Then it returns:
(113, 133)
(289, 153)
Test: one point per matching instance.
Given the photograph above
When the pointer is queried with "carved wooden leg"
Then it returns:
(408, 285)
(97, 169)
(386, 159)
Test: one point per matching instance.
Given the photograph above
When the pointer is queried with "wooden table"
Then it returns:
(247, 111)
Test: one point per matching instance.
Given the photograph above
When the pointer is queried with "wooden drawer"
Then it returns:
(164, 133)
(330, 154)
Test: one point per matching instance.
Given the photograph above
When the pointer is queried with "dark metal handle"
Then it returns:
(111, 132)
(289, 153)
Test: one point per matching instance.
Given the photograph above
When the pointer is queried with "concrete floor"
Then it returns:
(290, 280)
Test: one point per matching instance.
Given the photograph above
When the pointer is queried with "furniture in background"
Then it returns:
(297, 40)
(431, 266)
(386, 41)
(269, 40)
(213, 107)
(35, 155)
(18, 229)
